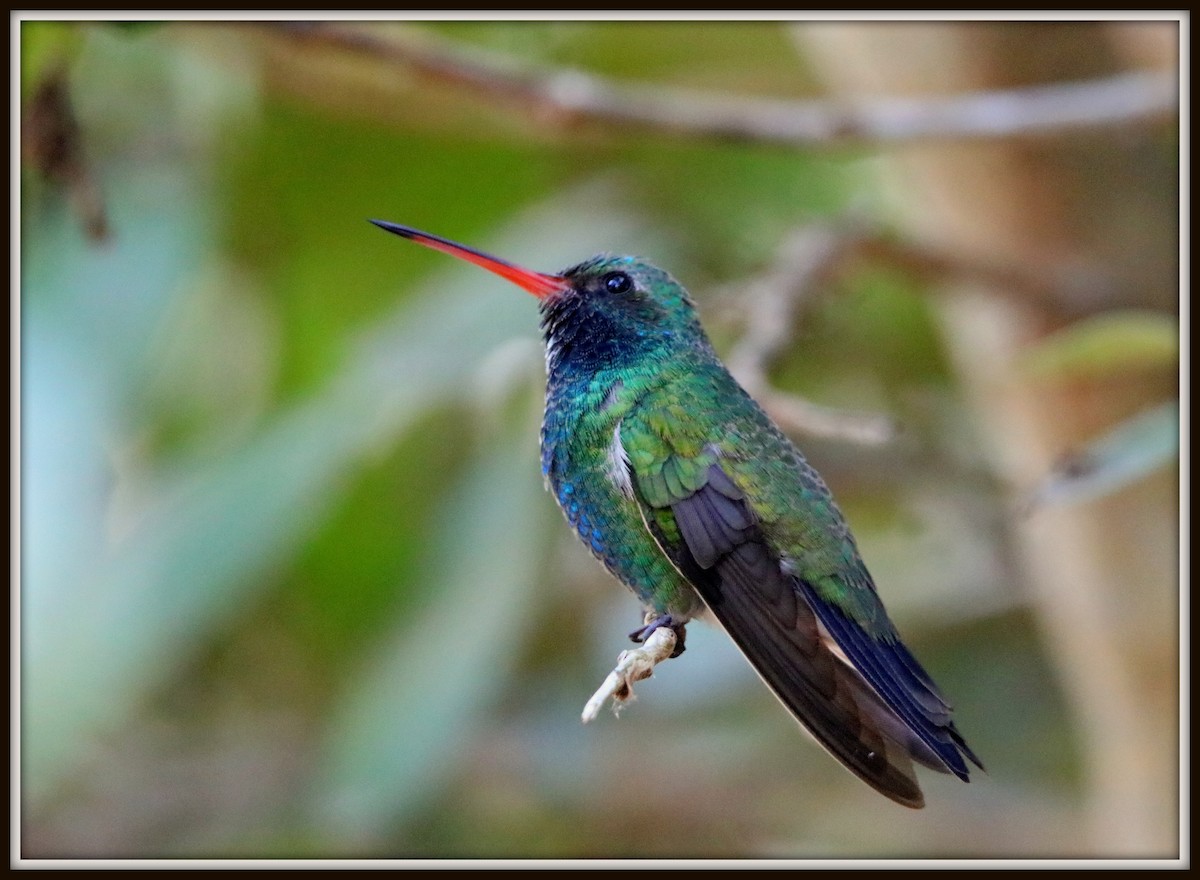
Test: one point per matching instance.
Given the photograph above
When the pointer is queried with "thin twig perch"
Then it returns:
(632, 665)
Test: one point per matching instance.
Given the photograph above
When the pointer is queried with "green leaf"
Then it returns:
(1113, 342)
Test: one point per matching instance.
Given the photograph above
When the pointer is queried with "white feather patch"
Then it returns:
(618, 464)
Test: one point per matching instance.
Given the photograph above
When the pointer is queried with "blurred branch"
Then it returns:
(1133, 449)
(52, 143)
(1063, 291)
(771, 302)
(633, 665)
(566, 95)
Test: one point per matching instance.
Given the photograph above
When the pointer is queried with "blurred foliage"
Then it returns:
(44, 46)
(1108, 344)
(290, 586)
(1114, 344)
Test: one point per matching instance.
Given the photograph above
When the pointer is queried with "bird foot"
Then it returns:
(640, 635)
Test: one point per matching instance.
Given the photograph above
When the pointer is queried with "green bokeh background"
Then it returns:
(291, 586)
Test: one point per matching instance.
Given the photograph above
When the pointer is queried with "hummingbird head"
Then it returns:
(599, 311)
(616, 304)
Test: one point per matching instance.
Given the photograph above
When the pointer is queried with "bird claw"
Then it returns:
(640, 635)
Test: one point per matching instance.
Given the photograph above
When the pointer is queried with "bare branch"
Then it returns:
(567, 95)
(770, 303)
(1064, 291)
(799, 414)
(632, 665)
(801, 263)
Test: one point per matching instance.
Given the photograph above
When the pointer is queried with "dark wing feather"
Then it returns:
(767, 614)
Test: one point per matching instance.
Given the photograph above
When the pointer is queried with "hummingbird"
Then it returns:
(688, 493)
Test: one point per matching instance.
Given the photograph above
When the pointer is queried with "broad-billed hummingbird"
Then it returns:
(684, 488)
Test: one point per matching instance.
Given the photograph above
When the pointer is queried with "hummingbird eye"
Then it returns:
(617, 282)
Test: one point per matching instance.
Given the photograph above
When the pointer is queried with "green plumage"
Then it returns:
(678, 411)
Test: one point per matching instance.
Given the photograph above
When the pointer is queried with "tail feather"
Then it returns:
(779, 635)
(897, 677)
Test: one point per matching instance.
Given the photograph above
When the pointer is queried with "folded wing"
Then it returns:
(864, 698)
